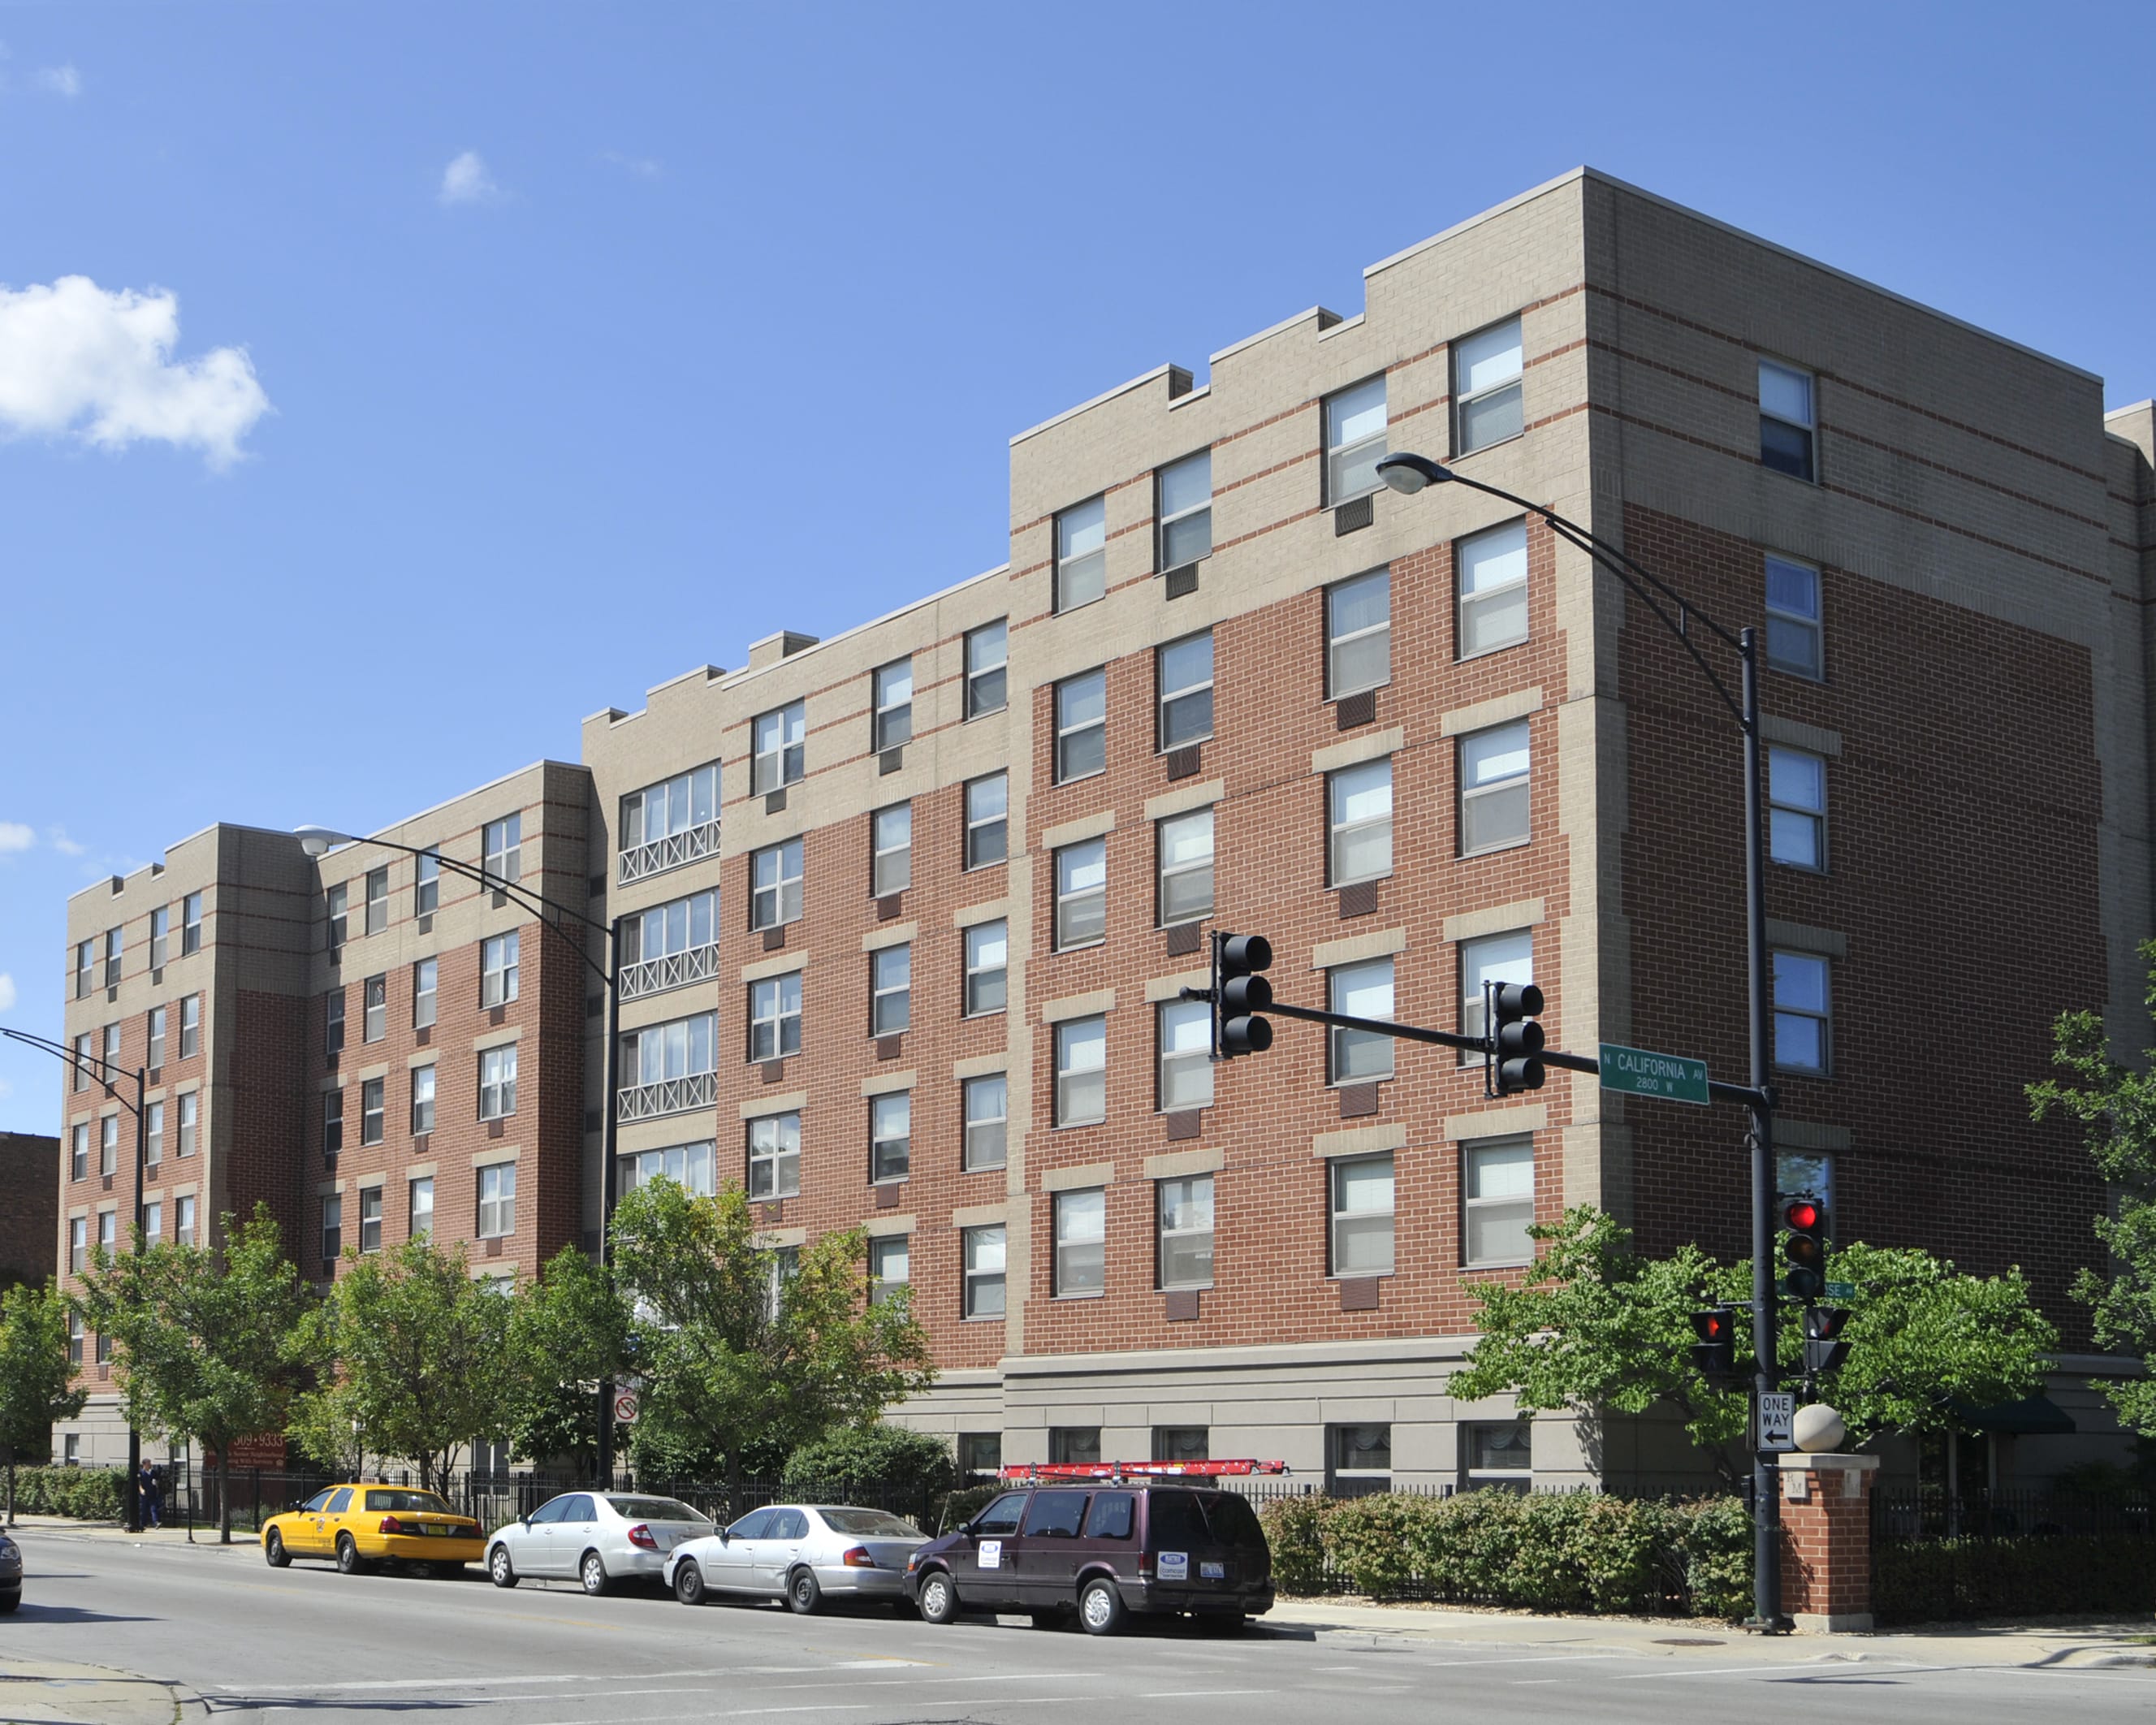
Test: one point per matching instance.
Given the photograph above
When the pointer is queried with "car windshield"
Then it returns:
(869, 1524)
(407, 1500)
(656, 1509)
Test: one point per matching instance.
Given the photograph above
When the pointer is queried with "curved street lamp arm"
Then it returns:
(60, 1050)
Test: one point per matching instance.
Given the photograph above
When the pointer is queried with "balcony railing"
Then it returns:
(642, 860)
(670, 1096)
(675, 970)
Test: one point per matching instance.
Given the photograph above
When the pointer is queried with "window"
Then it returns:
(1184, 506)
(891, 990)
(502, 846)
(377, 901)
(1491, 574)
(1793, 618)
(337, 896)
(1182, 1443)
(79, 1152)
(108, 1231)
(688, 1166)
(111, 1065)
(425, 976)
(1486, 387)
(426, 885)
(1358, 1460)
(774, 1017)
(422, 1100)
(156, 1036)
(1081, 895)
(108, 1145)
(1354, 440)
(1184, 672)
(673, 822)
(153, 1134)
(985, 1272)
(1185, 1210)
(497, 969)
(497, 1200)
(1796, 809)
(1359, 818)
(1081, 1075)
(1186, 1054)
(1082, 1232)
(114, 939)
(72, 1453)
(890, 850)
(497, 1082)
(333, 1021)
(191, 1009)
(332, 1227)
(774, 1157)
(1800, 1013)
(370, 1218)
(892, 688)
(1494, 789)
(77, 1243)
(890, 1259)
(191, 923)
(774, 885)
(980, 1454)
(1082, 727)
(1362, 1215)
(374, 997)
(987, 1115)
(1497, 1181)
(190, 1116)
(680, 1048)
(1185, 846)
(988, 819)
(988, 961)
(332, 1121)
(1081, 554)
(1786, 423)
(85, 1062)
(85, 968)
(183, 1220)
(890, 1136)
(1499, 1457)
(781, 755)
(104, 1350)
(1359, 635)
(1075, 1444)
(1807, 1173)
(1495, 958)
(372, 1111)
(667, 930)
(160, 924)
(988, 674)
(420, 1198)
(1362, 991)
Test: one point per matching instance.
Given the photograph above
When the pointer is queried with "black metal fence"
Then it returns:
(2012, 1553)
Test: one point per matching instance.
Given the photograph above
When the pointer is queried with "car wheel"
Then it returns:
(802, 1594)
(591, 1572)
(347, 1554)
(939, 1598)
(273, 1550)
(1100, 1607)
(689, 1584)
(499, 1570)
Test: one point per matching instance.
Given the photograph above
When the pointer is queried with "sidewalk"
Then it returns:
(39, 1528)
(67, 1694)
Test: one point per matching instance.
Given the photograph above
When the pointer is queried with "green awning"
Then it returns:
(2032, 1416)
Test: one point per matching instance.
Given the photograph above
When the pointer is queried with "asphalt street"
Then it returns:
(254, 1642)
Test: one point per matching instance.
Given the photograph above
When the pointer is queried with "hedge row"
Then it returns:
(2035, 1575)
(90, 1494)
(1569, 1551)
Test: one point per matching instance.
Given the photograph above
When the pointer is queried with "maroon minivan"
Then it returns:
(1101, 1549)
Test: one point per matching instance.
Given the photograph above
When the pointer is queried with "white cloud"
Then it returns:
(7, 1090)
(7, 992)
(643, 167)
(64, 845)
(61, 80)
(15, 836)
(467, 181)
(75, 359)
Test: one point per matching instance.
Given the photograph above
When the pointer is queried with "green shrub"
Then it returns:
(893, 1457)
(89, 1494)
(1373, 1540)
(1715, 1547)
(1294, 1529)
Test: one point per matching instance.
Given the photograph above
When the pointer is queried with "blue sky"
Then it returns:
(491, 319)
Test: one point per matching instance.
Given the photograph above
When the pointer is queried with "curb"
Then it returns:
(105, 1694)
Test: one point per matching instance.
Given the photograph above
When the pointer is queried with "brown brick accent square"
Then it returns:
(1179, 1305)
(1359, 1294)
(1357, 1100)
(1352, 709)
(1185, 937)
(1185, 1123)
(1359, 900)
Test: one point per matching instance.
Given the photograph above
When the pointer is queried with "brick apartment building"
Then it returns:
(910, 908)
(28, 1205)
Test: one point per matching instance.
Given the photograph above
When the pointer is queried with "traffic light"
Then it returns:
(1804, 1250)
(1824, 1347)
(1715, 1352)
(1511, 1039)
(1239, 993)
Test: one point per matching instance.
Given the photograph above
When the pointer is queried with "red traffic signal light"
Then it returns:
(1824, 1347)
(1715, 1352)
(1804, 1249)
(1802, 1215)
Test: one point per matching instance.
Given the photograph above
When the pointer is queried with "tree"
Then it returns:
(751, 1345)
(34, 1374)
(2115, 1106)
(205, 1340)
(418, 1359)
(1596, 1326)
(569, 1332)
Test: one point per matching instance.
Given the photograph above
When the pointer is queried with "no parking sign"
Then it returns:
(625, 1407)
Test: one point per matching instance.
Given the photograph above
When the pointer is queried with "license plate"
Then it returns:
(1212, 1572)
(444, 1532)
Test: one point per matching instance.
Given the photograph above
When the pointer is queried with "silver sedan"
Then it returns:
(11, 1574)
(595, 1538)
(803, 1554)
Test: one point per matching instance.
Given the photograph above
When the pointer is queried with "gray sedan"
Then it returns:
(11, 1574)
(802, 1553)
(596, 1537)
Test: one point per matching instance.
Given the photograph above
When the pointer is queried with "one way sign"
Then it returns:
(1778, 1417)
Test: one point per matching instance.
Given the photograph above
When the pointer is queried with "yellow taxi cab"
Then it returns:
(361, 1525)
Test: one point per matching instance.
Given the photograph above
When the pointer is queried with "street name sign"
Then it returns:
(1841, 1290)
(1640, 1072)
(1778, 1418)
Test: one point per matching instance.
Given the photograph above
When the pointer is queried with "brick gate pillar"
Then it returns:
(1826, 1540)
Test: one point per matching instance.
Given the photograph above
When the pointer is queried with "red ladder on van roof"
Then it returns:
(1136, 1470)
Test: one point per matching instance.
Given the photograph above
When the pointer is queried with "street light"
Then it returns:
(319, 841)
(1409, 473)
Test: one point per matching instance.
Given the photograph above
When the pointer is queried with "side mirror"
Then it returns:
(966, 1529)
(524, 1520)
(725, 1535)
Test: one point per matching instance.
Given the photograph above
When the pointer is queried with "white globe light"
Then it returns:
(1817, 1427)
